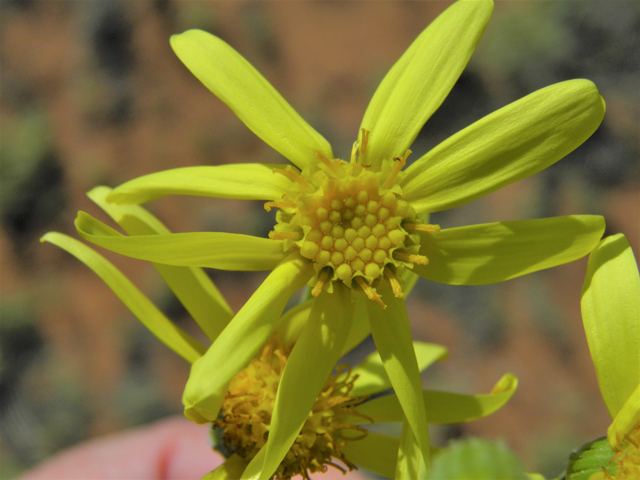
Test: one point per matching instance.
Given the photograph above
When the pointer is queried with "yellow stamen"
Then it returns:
(354, 152)
(273, 235)
(399, 164)
(395, 284)
(365, 139)
(335, 170)
(269, 205)
(421, 227)
(296, 177)
(370, 291)
(408, 257)
(320, 284)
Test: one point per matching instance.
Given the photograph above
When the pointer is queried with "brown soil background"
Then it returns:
(92, 94)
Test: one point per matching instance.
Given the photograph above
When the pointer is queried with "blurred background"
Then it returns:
(93, 95)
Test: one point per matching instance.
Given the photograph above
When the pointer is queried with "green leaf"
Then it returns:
(309, 366)
(252, 98)
(494, 252)
(421, 79)
(152, 318)
(516, 141)
(611, 316)
(476, 459)
(249, 181)
(391, 333)
(191, 285)
(239, 342)
(375, 452)
(372, 377)
(443, 407)
(224, 251)
(590, 459)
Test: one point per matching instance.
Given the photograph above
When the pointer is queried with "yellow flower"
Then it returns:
(611, 316)
(259, 398)
(354, 228)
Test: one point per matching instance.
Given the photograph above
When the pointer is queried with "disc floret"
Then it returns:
(245, 418)
(626, 462)
(351, 222)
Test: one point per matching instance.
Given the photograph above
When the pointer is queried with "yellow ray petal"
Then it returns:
(192, 286)
(611, 316)
(252, 98)
(494, 252)
(249, 181)
(152, 318)
(225, 251)
(421, 79)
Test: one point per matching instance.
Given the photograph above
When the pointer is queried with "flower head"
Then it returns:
(354, 230)
(250, 423)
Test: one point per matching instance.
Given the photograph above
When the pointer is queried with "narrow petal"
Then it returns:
(191, 285)
(292, 323)
(419, 82)
(251, 97)
(375, 452)
(252, 326)
(391, 333)
(516, 141)
(627, 419)
(249, 181)
(360, 325)
(308, 368)
(444, 407)
(152, 318)
(372, 377)
(409, 457)
(224, 251)
(611, 316)
(494, 252)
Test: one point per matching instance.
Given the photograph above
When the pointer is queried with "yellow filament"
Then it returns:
(407, 257)
(273, 235)
(421, 227)
(332, 167)
(399, 163)
(320, 284)
(269, 205)
(370, 291)
(365, 139)
(295, 176)
(395, 284)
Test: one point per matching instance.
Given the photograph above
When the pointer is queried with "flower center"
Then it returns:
(245, 417)
(351, 222)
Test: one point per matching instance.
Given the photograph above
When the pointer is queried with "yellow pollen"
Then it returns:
(295, 176)
(408, 257)
(245, 420)
(395, 284)
(269, 205)
(421, 227)
(626, 461)
(370, 292)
